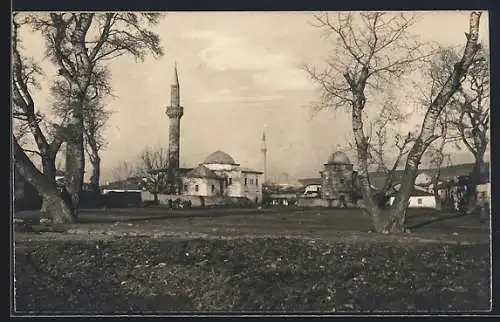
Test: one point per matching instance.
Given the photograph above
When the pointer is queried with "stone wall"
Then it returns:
(197, 201)
(312, 202)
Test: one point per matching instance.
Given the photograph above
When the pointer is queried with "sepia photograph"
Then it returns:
(250, 162)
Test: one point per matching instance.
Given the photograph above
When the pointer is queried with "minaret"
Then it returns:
(174, 113)
(264, 155)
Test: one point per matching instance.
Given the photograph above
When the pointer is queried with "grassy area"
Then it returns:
(141, 275)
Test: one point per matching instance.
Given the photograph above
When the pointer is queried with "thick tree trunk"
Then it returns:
(475, 178)
(96, 173)
(49, 171)
(426, 136)
(56, 208)
(75, 160)
(371, 206)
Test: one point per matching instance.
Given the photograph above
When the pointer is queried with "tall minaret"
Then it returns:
(264, 155)
(174, 113)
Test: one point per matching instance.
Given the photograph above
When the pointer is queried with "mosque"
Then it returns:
(219, 175)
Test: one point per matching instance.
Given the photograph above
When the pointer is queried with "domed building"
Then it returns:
(338, 180)
(220, 175)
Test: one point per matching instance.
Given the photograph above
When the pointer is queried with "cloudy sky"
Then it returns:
(239, 74)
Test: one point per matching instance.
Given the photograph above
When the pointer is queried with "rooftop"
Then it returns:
(219, 157)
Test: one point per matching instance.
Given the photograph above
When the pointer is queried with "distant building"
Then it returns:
(337, 184)
(419, 198)
(220, 175)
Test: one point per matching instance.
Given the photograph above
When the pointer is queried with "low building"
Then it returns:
(337, 185)
(419, 198)
(220, 175)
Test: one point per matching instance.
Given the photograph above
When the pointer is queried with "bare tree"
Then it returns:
(386, 140)
(436, 75)
(27, 118)
(374, 49)
(30, 120)
(152, 167)
(387, 146)
(470, 110)
(95, 117)
(427, 135)
(95, 122)
(438, 156)
(80, 44)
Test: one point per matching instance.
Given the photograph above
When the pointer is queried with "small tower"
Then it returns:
(174, 113)
(264, 155)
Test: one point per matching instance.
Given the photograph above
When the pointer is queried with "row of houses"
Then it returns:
(451, 188)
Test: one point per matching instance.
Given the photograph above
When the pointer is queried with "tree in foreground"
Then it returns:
(80, 44)
(95, 118)
(373, 50)
(470, 114)
(28, 120)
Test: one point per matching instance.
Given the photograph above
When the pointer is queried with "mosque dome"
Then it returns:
(338, 157)
(219, 157)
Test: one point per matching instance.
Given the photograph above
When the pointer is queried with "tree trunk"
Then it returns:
(49, 171)
(439, 164)
(371, 206)
(96, 173)
(155, 194)
(426, 136)
(56, 208)
(475, 178)
(439, 200)
(75, 160)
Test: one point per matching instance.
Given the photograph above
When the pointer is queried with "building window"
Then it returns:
(419, 201)
(230, 181)
(196, 188)
(251, 181)
(257, 181)
(186, 187)
(246, 181)
(213, 188)
(342, 181)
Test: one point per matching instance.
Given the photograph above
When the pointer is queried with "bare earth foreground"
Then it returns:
(138, 261)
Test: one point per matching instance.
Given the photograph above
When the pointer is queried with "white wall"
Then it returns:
(203, 188)
(425, 202)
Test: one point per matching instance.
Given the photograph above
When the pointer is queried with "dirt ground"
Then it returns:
(138, 261)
